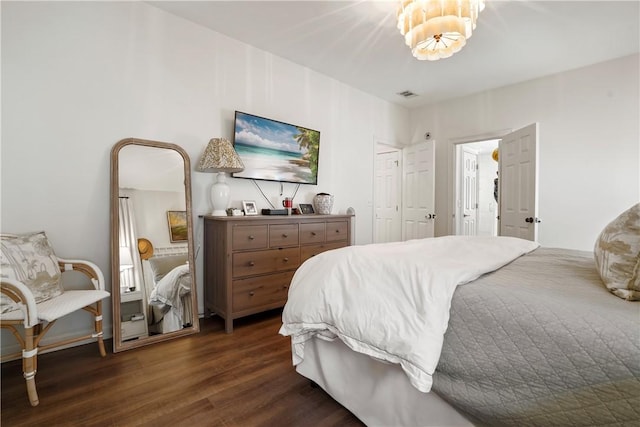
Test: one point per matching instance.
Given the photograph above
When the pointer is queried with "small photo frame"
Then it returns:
(249, 207)
(306, 208)
(178, 231)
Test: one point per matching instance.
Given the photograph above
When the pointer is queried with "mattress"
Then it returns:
(379, 394)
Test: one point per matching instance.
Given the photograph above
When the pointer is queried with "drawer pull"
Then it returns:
(251, 237)
(251, 293)
(285, 235)
(313, 233)
(286, 259)
(337, 231)
(285, 287)
(251, 263)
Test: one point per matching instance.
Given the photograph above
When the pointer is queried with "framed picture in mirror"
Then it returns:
(177, 226)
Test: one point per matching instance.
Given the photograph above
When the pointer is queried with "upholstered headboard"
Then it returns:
(165, 260)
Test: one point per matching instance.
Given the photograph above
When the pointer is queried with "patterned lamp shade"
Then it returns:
(220, 156)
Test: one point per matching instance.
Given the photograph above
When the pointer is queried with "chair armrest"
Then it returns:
(20, 293)
(86, 267)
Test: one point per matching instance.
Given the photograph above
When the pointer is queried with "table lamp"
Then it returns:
(220, 157)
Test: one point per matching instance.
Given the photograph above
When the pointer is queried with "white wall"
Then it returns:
(589, 134)
(77, 77)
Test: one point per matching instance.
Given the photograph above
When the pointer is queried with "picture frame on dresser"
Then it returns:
(306, 208)
(249, 207)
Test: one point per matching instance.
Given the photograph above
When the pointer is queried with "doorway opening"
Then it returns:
(476, 198)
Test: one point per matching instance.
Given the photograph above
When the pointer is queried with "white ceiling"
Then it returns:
(357, 42)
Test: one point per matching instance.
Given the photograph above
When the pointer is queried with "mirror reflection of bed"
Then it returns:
(167, 287)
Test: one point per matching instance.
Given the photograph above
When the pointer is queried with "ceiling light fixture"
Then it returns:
(435, 29)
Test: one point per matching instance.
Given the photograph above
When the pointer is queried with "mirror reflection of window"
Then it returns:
(126, 270)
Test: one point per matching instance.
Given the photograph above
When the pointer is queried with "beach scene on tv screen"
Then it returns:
(276, 151)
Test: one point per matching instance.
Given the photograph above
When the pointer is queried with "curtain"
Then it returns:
(130, 264)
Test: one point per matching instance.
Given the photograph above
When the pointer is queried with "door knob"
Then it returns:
(529, 220)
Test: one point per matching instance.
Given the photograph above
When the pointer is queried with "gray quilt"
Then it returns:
(541, 342)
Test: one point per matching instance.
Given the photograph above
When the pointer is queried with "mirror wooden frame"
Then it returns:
(118, 344)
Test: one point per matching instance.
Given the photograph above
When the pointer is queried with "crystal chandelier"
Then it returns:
(435, 29)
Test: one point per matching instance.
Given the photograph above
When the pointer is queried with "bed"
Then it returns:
(168, 286)
(511, 334)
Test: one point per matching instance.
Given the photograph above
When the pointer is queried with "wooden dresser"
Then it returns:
(249, 261)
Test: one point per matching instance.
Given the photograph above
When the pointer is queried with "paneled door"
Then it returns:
(469, 208)
(518, 182)
(418, 214)
(387, 197)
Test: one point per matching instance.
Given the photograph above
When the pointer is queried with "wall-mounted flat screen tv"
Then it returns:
(275, 151)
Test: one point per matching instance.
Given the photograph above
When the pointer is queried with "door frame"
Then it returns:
(377, 142)
(452, 176)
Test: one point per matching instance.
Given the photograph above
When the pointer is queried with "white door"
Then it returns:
(518, 182)
(418, 214)
(387, 187)
(469, 205)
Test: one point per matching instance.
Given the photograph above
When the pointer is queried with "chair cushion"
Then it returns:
(62, 305)
(617, 254)
(30, 259)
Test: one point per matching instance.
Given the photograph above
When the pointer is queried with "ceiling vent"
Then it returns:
(407, 94)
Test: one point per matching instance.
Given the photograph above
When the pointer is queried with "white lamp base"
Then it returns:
(220, 195)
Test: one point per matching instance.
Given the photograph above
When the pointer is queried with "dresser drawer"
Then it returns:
(337, 230)
(256, 292)
(249, 237)
(281, 236)
(307, 252)
(312, 233)
(259, 262)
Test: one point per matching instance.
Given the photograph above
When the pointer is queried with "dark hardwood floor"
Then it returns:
(208, 379)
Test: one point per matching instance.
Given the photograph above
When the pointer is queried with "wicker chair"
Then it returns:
(37, 318)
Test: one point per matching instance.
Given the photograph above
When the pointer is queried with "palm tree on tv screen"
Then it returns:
(310, 140)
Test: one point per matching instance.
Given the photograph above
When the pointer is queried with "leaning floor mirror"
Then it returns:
(152, 268)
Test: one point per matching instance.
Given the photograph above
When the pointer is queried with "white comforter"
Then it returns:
(171, 288)
(390, 301)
